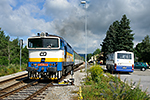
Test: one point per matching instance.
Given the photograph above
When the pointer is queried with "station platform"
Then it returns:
(3, 78)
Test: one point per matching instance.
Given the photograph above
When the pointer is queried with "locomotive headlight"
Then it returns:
(50, 64)
(32, 64)
(53, 64)
(42, 34)
(35, 64)
(42, 68)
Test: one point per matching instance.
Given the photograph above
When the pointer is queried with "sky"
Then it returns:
(66, 18)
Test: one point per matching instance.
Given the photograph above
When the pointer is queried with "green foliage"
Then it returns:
(119, 91)
(10, 51)
(25, 55)
(10, 55)
(13, 52)
(118, 37)
(110, 88)
(97, 51)
(142, 50)
(3, 60)
(96, 73)
(89, 56)
(3, 48)
(12, 68)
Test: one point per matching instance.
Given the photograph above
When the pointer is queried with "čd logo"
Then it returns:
(43, 54)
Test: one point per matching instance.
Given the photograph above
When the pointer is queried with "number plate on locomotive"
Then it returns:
(42, 64)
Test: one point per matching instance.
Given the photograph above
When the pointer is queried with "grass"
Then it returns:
(12, 68)
(108, 87)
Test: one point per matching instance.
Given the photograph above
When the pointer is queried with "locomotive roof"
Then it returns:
(49, 35)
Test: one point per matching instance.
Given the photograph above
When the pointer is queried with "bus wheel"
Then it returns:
(143, 69)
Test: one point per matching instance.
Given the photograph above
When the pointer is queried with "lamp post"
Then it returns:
(84, 2)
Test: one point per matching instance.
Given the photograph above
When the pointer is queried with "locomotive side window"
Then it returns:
(43, 43)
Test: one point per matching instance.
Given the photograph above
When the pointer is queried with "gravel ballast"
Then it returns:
(66, 92)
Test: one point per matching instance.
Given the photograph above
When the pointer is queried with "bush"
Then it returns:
(96, 73)
(12, 68)
(119, 91)
(108, 87)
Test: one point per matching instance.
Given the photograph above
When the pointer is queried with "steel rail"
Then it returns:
(39, 91)
(7, 80)
(11, 86)
(19, 89)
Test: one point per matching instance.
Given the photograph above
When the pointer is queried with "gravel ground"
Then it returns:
(66, 92)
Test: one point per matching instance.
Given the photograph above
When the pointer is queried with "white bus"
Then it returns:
(121, 61)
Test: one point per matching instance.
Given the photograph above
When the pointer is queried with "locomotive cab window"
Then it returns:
(43, 43)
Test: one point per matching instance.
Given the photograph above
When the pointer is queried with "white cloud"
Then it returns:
(21, 21)
(57, 8)
(66, 18)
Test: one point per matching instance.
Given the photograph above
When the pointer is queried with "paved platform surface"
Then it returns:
(3, 78)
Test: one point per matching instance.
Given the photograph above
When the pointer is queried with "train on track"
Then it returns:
(50, 57)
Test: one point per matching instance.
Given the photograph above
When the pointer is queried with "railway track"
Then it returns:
(13, 78)
(8, 81)
(27, 92)
(27, 89)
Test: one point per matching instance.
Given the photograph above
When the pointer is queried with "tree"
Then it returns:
(118, 37)
(89, 56)
(125, 38)
(3, 48)
(10, 50)
(25, 55)
(142, 50)
(97, 51)
(14, 52)
(109, 43)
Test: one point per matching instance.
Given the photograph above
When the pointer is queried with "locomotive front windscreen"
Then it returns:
(43, 43)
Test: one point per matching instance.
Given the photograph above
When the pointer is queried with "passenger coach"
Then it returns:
(50, 57)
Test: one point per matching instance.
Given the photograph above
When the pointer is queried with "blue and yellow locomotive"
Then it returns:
(50, 57)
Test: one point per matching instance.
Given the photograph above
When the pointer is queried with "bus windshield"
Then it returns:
(43, 43)
(124, 56)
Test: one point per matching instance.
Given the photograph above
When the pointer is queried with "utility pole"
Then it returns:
(85, 27)
(21, 44)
